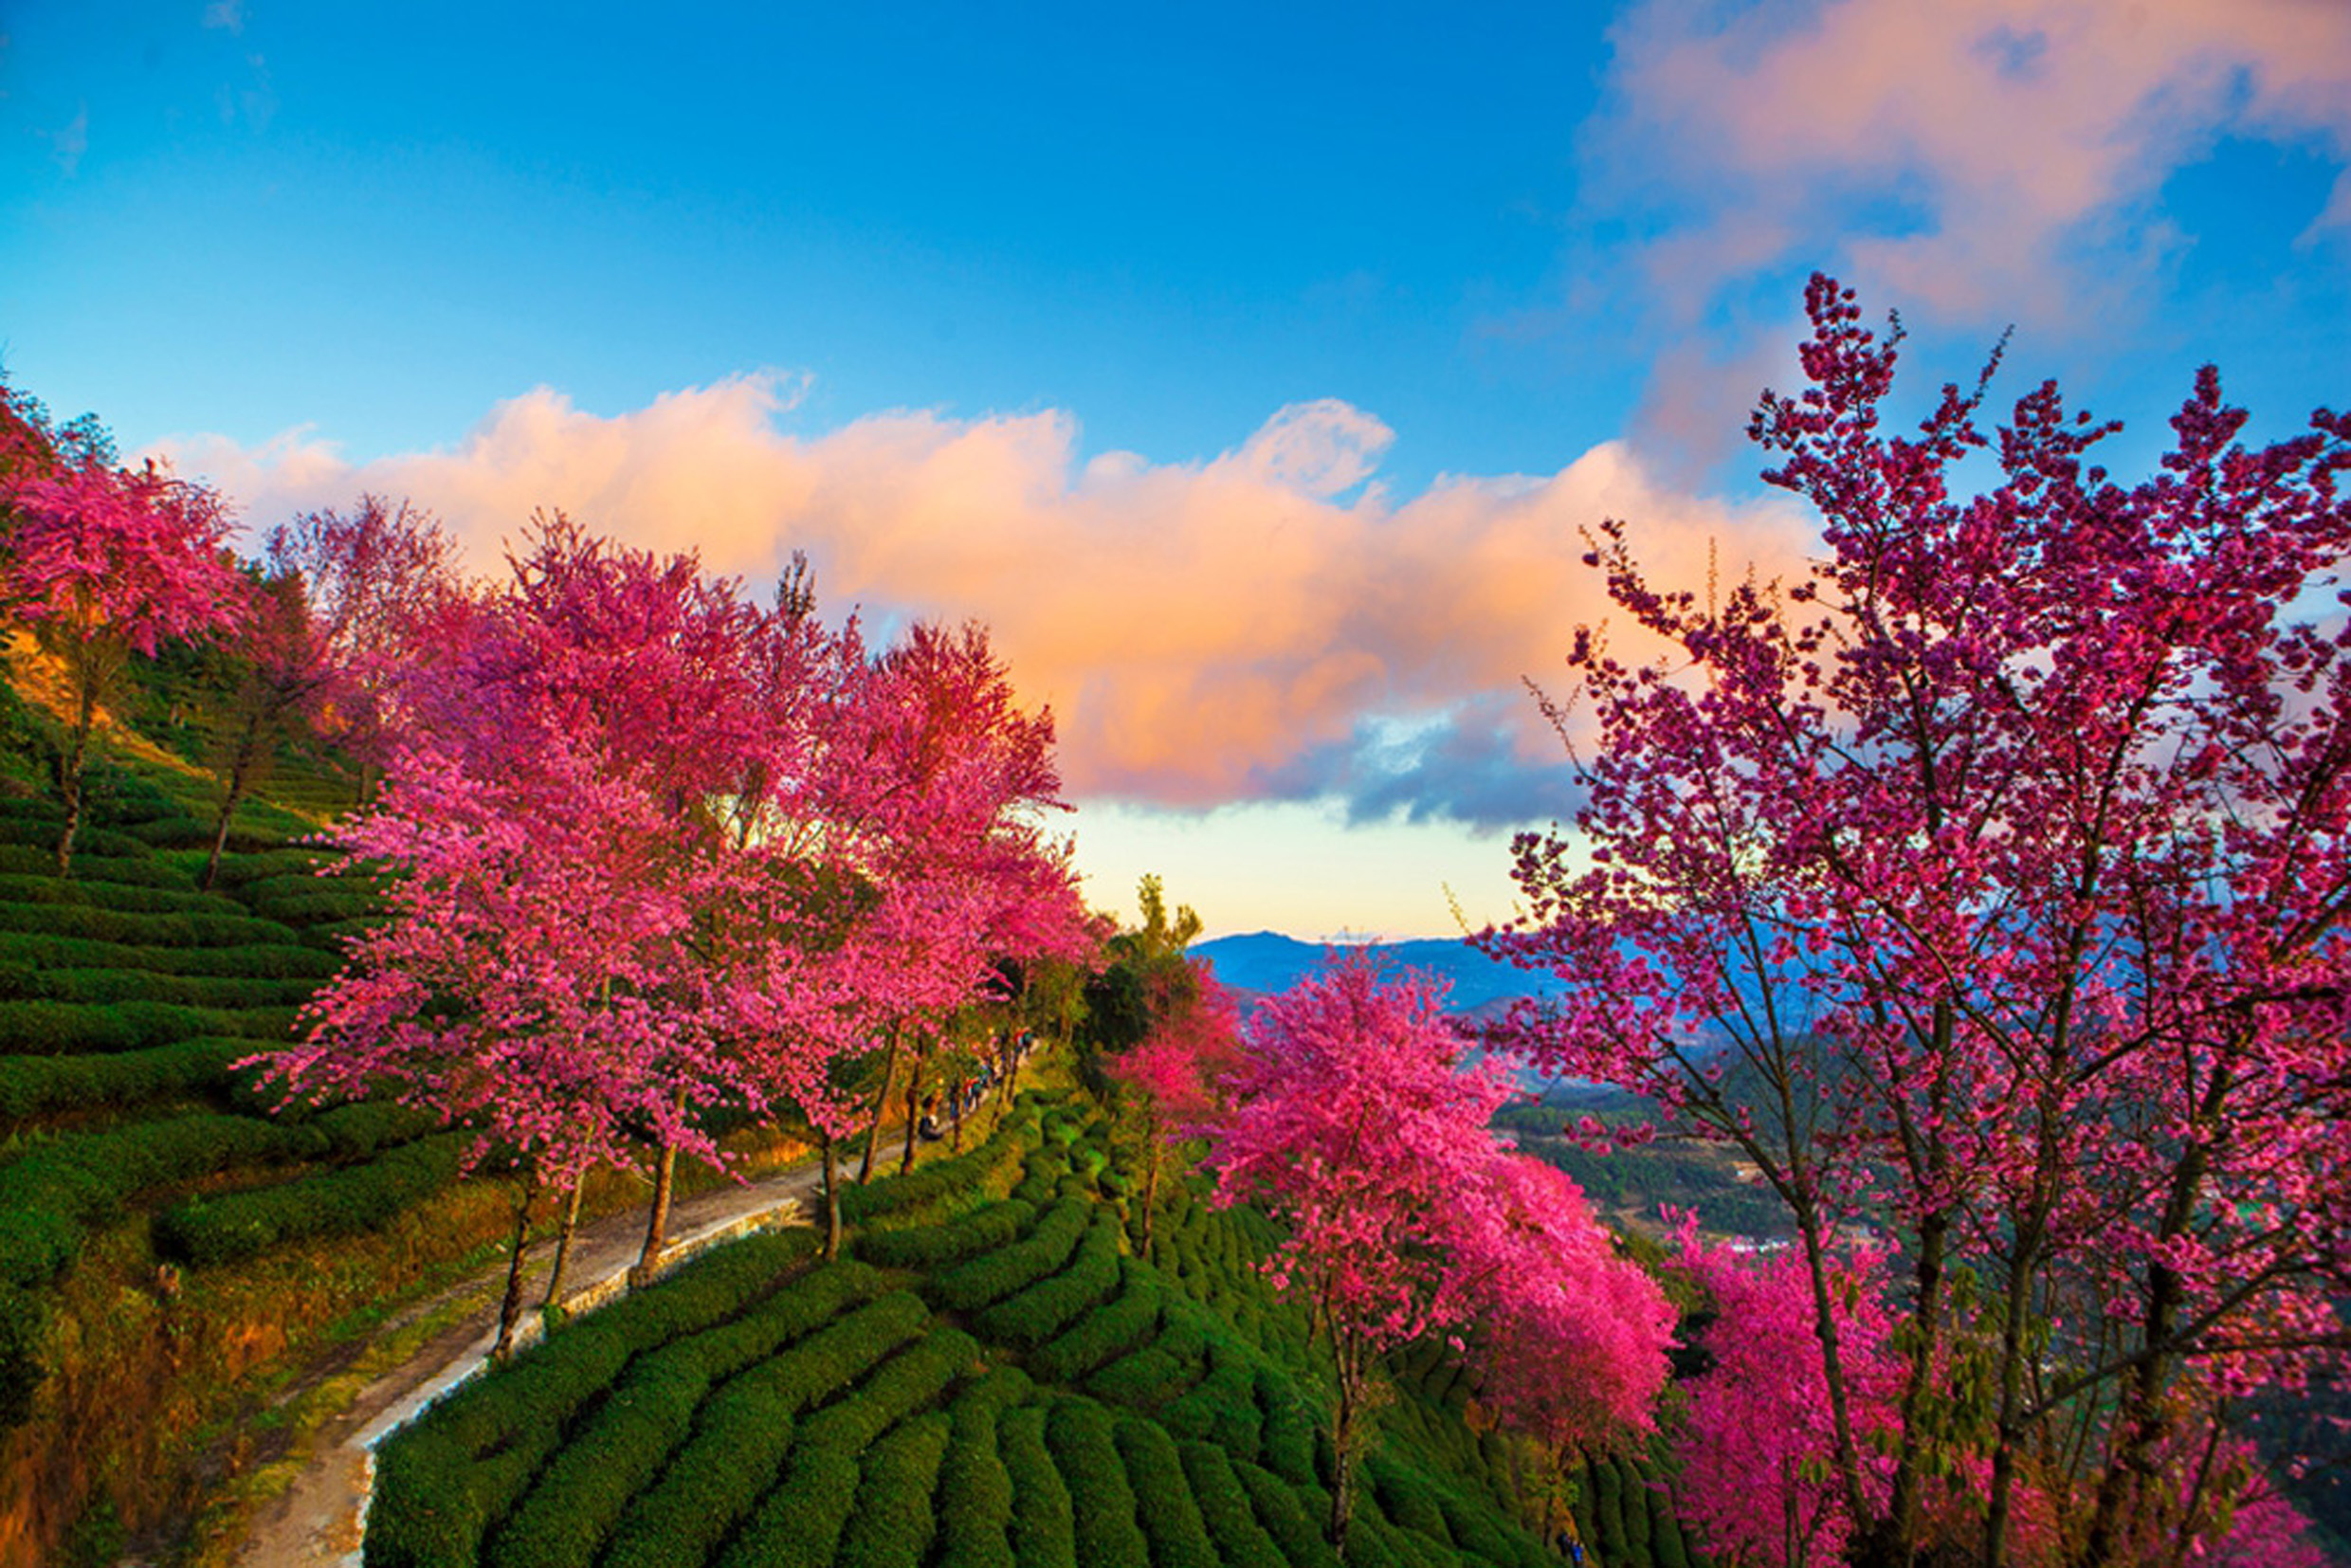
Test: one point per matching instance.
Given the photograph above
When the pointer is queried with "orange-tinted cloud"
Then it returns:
(1267, 622)
(1978, 158)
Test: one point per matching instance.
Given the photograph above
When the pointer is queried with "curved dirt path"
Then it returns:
(320, 1518)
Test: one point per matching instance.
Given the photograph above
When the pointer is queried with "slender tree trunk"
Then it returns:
(563, 1244)
(1343, 1440)
(832, 1198)
(1150, 1197)
(237, 780)
(510, 1311)
(70, 772)
(914, 1109)
(1832, 1366)
(880, 1108)
(657, 1219)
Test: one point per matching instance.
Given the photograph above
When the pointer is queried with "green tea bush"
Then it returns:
(800, 1522)
(1116, 1326)
(1143, 1379)
(445, 1481)
(743, 1432)
(1405, 1498)
(1284, 1514)
(105, 986)
(936, 1246)
(1222, 1407)
(49, 1194)
(71, 1029)
(1044, 1309)
(1241, 1541)
(258, 961)
(1080, 1432)
(1290, 1425)
(932, 1192)
(215, 1230)
(1044, 1532)
(975, 1488)
(202, 927)
(991, 1277)
(1163, 1503)
(91, 868)
(893, 1523)
(44, 1085)
(314, 905)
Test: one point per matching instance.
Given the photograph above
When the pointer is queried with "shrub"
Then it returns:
(995, 1275)
(43, 1086)
(268, 961)
(801, 1519)
(67, 1029)
(975, 1488)
(1109, 1331)
(1296, 1533)
(743, 1432)
(1609, 1509)
(1405, 1498)
(1080, 1433)
(1222, 1407)
(208, 1230)
(105, 986)
(944, 1186)
(893, 1523)
(1290, 1426)
(937, 1245)
(1045, 1308)
(1044, 1532)
(1163, 1506)
(443, 1481)
(201, 927)
(1241, 1541)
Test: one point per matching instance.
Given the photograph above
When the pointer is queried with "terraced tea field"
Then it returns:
(993, 1378)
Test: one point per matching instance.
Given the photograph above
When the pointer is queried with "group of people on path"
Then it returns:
(1001, 1065)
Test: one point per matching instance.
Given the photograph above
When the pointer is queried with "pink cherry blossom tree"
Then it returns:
(1352, 1123)
(103, 563)
(1989, 881)
(1174, 1077)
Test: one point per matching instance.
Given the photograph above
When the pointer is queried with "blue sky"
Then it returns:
(1252, 374)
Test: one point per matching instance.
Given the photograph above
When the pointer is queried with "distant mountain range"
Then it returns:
(1263, 963)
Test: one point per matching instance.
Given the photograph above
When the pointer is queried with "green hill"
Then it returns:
(992, 1377)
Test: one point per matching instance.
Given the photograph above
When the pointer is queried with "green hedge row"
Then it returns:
(443, 1481)
(278, 960)
(44, 1085)
(743, 1432)
(800, 1522)
(215, 1230)
(211, 923)
(616, 1451)
(1044, 1531)
(77, 1028)
(1080, 1433)
(1110, 1330)
(1222, 1407)
(1224, 1504)
(93, 869)
(1171, 1519)
(39, 831)
(937, 1245)
(236, 870)
(47, 888)
(110, 987)
(892, 1524)
(993, 1276)
(1292, 1515)
(50, 1194)
(1033, 1316)
(975, 1488)
(931, 1192)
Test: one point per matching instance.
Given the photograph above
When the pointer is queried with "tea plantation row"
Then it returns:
(993, 1378)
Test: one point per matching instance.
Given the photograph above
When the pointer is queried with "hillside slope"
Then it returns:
(993, 1377)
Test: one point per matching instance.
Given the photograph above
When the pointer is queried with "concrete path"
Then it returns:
(319, 1520)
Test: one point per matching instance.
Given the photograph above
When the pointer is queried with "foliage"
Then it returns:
(2004, 852)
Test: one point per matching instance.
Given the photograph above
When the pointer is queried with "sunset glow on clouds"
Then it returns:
(1270, 622)
(1253, 378)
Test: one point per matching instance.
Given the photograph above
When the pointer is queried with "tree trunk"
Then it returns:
(510, 1311)
(71, 771)
(657, 1222)
(563, 1244)
(914, 1110)
(880, 1108)
(1343, 1438)
(832, 1199)
(1151, 1197)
